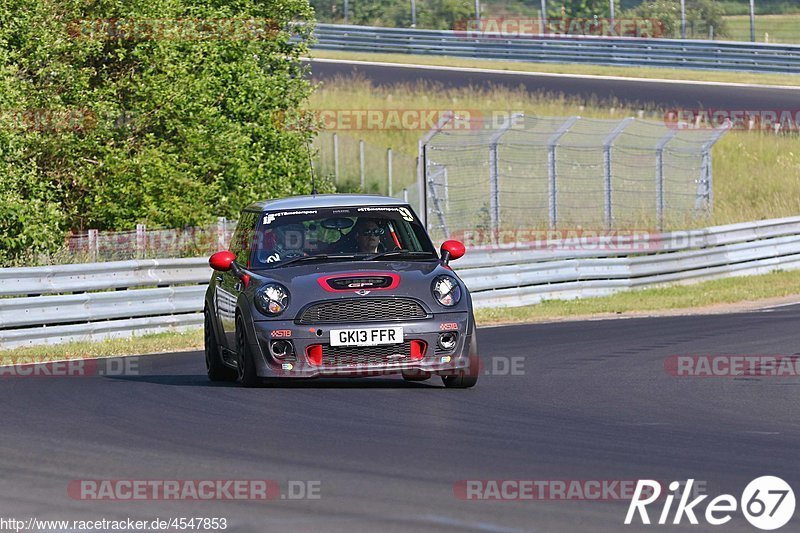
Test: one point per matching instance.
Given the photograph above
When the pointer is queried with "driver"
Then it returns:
(368, 235)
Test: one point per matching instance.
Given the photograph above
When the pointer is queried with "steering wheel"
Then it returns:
(293, 255)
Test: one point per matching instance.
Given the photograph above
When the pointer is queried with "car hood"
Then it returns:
(311, 282)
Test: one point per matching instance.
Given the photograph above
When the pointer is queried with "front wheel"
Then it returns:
(245, 365)
(216, 369)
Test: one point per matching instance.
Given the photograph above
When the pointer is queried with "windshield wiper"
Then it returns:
(403, 252)
(318, 257)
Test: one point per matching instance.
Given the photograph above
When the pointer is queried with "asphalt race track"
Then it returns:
(588, 400)
(665, 95)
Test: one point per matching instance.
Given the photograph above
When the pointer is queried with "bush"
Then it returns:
(106, 133)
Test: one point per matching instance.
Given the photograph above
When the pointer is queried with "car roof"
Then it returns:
(324, 200)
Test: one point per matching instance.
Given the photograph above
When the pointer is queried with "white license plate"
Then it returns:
(366, 337)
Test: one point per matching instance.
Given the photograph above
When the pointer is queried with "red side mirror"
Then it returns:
(221, 261)
(452, 250)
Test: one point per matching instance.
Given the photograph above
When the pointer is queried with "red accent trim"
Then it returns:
(246, 279)
(418, 350)
(221, 261)
(323, 280)
(314, 354)
(455, 248)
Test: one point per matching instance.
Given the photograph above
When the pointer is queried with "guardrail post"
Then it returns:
(222, 228)
(389, 168)
(543, 16)
(94, 245)
(141, 240)
(361, 163)
(609, 214)
(335, 158)
(660, 177)
(551, 168)
(683, 19)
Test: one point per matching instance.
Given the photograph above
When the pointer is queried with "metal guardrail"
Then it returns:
(621, 51)
(64, 308)
(101, 276)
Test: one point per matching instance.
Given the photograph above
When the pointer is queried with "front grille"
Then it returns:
(366, 355)
(362, 310)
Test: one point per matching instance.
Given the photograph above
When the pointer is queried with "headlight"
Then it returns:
(446, 290)
(272, 299)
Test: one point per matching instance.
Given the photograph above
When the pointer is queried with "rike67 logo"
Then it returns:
(767, 502)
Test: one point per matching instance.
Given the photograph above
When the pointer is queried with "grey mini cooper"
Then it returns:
(337, 285)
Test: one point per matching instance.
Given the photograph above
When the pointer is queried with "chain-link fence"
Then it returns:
(355, 165)
(546, 172)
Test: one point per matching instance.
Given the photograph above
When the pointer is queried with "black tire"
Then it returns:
(216, 369)
(246, 367)
(469, 377)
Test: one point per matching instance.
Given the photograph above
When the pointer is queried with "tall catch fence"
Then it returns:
(567, 172)
(356, 165)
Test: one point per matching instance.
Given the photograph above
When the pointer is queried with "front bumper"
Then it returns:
(361, 361)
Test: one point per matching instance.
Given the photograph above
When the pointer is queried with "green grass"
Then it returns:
(756, 175)
(674, 297)
(567, 68)
(742, 7)
(781, 28)
(144, 344)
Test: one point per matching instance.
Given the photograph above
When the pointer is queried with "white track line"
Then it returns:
(549, 74)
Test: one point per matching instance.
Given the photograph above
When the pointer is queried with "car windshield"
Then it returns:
(335, 234)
